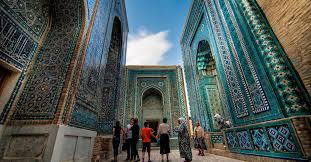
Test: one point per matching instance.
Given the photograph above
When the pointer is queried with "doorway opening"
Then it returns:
(152, 108)
(153, 124)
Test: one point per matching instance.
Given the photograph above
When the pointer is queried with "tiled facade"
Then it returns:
(167, 81)
(230, 46)
(70, 59)
(76, 44)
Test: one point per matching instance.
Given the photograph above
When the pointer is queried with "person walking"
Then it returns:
(116, 132)
(146, 135)
(163, 134)
(135, 138)
(199, 139)
(128, 140)
(184, 140)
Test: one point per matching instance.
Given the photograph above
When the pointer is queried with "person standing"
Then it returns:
(129, 138)
(199, 138)
(163, 133)
(184, 140)
(146, 135)
(135, 138)
(116, 132)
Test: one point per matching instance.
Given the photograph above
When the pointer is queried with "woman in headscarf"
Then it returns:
(184, 140)
(199, 138)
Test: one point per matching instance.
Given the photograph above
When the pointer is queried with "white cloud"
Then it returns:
(147, 48)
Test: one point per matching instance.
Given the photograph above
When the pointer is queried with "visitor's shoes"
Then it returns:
(149, 161)
(138, 159)
(127, 159)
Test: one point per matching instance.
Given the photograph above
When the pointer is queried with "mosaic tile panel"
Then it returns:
(33, 12)
(245, 64)
(231, 140)
(111, 82)
(16, 47)
(275, 139)
(259, 139)
(40, 96)
(217, 138)
(283, 76)
(244, 140)
(84, 118)
(281, 139)
(89, 89)
(242, 68)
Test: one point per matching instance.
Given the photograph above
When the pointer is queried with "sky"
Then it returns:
(155, 28)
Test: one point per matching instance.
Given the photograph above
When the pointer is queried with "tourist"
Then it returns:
(135, 138)
(199, 139)
(146, 134)
(128, 140)
(184, 140)
(163, 133)
(116, 132)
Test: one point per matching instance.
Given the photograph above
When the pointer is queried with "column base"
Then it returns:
(46, 143)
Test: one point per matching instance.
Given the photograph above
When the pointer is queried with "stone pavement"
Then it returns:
(174, 157)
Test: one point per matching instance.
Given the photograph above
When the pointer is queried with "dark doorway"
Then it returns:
(153, 124)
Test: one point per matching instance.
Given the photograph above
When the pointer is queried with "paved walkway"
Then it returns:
(174, 157)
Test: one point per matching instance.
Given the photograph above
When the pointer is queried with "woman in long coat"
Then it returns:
(184, 140)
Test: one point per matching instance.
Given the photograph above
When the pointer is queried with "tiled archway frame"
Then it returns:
(42, 96)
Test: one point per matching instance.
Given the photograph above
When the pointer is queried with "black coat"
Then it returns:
(135, 132)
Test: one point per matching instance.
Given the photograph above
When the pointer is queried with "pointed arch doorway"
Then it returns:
(152, 108)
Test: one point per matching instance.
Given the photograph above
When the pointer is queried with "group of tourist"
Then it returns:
(131, 134)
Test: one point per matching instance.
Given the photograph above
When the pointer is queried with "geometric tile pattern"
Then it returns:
(243, 58)
(244, 140)
(281, 139)
(21, 26)
(269, 139)
(231, 140)
(283, 77)
(30, 13)
(237, 89)
(217, 138)
(111, 82)
(17, 47)
(189, 68)
(250, 68)
(89, 91)
(41, 93)
(259, 139)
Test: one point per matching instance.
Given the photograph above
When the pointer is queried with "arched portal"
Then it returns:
(112, 77)
(152, 107)
(206, 67)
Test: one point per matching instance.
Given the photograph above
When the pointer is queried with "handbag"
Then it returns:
(158, 141)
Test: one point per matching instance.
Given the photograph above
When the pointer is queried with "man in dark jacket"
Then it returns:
(135, 138)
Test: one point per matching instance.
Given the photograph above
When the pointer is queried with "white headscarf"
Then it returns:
(181, 120)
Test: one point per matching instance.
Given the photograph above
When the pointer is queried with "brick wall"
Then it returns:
(102, 148)
(291, 22)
